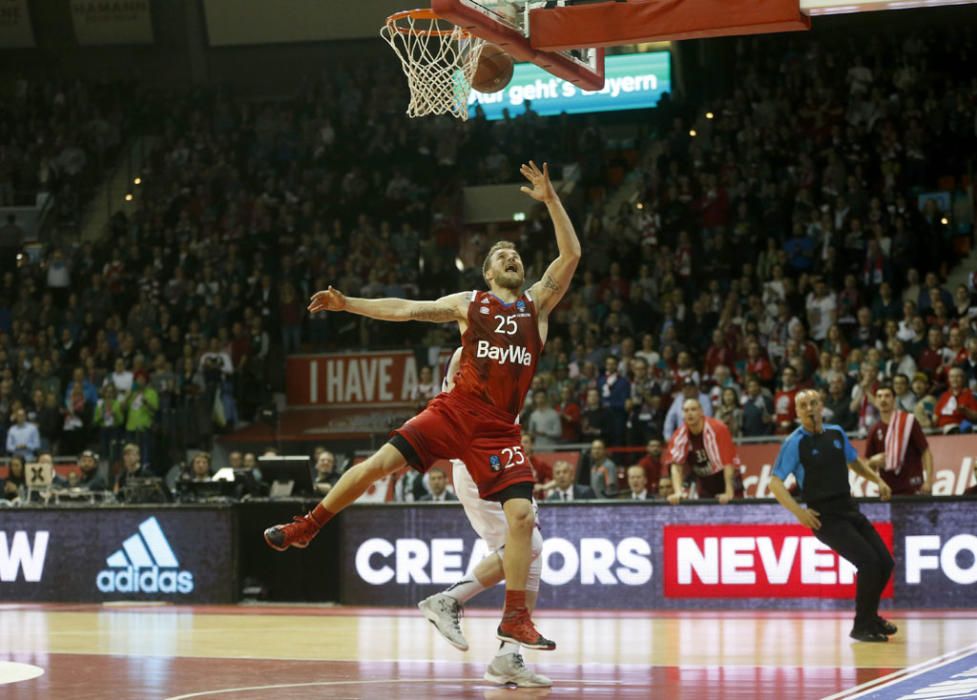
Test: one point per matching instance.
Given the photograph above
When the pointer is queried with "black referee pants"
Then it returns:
(851, 535)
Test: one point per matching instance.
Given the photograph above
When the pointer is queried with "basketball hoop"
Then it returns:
(438, 58)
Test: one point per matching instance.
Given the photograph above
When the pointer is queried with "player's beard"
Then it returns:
(510, 280)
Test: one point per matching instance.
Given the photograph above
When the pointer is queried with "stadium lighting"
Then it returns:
(128, 196)
(640, 205)
(137, 181)
(944, 221)
(709, 115)
(692, 132)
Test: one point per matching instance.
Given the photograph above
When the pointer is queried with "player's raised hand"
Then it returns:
(542, 189)
(327, 300)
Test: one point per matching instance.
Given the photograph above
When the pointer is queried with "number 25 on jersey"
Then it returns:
(507, 325)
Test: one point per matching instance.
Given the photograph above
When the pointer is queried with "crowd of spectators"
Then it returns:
(790, 237)
(175, 326)
(779, 241)
(59, 137)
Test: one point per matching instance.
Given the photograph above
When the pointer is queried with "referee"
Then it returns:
(819, 457)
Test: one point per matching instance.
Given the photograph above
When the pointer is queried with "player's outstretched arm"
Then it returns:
(452, 307)
(556, 280)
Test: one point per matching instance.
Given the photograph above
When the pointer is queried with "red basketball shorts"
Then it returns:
(456, 426)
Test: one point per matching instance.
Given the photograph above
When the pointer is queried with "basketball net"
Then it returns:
(438, 58)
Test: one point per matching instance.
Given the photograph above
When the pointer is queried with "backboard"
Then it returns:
(506, 24)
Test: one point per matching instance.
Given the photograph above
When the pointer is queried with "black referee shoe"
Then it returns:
(868, 635)
(885, 627)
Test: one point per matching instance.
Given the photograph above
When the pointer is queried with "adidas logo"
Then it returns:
(145, 564)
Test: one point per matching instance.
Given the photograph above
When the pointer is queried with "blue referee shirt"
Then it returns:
(818, 461)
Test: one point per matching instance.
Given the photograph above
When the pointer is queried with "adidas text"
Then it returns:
(145, 564)
(150, 580)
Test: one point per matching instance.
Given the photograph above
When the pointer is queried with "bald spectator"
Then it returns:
(564, 487)
(690, 390)
(702, 450)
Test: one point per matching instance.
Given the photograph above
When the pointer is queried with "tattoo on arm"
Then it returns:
(435, 313)
(550, 284)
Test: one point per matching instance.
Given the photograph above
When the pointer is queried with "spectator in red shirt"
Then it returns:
(956, 405)
(897, 448)
(652, 464)
(783, 402)
(798, 333)
(757, 365)
(569, 411)
(718, 353)
(542, 471)
(955, 353)
(931, 358)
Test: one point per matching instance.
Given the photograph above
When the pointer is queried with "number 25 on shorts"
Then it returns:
(511, 457)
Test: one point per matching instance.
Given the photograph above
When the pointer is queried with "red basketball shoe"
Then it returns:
(297, 533)
(518, 628)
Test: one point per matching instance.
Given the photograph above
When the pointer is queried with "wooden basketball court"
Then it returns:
(248, 652)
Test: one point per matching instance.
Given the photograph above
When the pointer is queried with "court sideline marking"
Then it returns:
(224, 691)
(903, 674)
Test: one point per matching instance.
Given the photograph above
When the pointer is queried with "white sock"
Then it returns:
(507, 648)
(464, 590)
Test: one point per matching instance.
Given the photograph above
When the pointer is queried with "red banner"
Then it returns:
(355, 378)
(756, 561)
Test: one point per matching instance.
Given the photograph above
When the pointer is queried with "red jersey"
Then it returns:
(905, 453)
(500, 350)
(542, 471)
(948, 407)
(653, 471)
(784, 410)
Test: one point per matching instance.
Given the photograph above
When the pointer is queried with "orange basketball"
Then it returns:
(494, 69)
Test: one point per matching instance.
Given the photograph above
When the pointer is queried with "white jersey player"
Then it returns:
(489, 522)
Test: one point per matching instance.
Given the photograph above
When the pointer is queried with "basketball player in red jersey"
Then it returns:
(502, 335)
